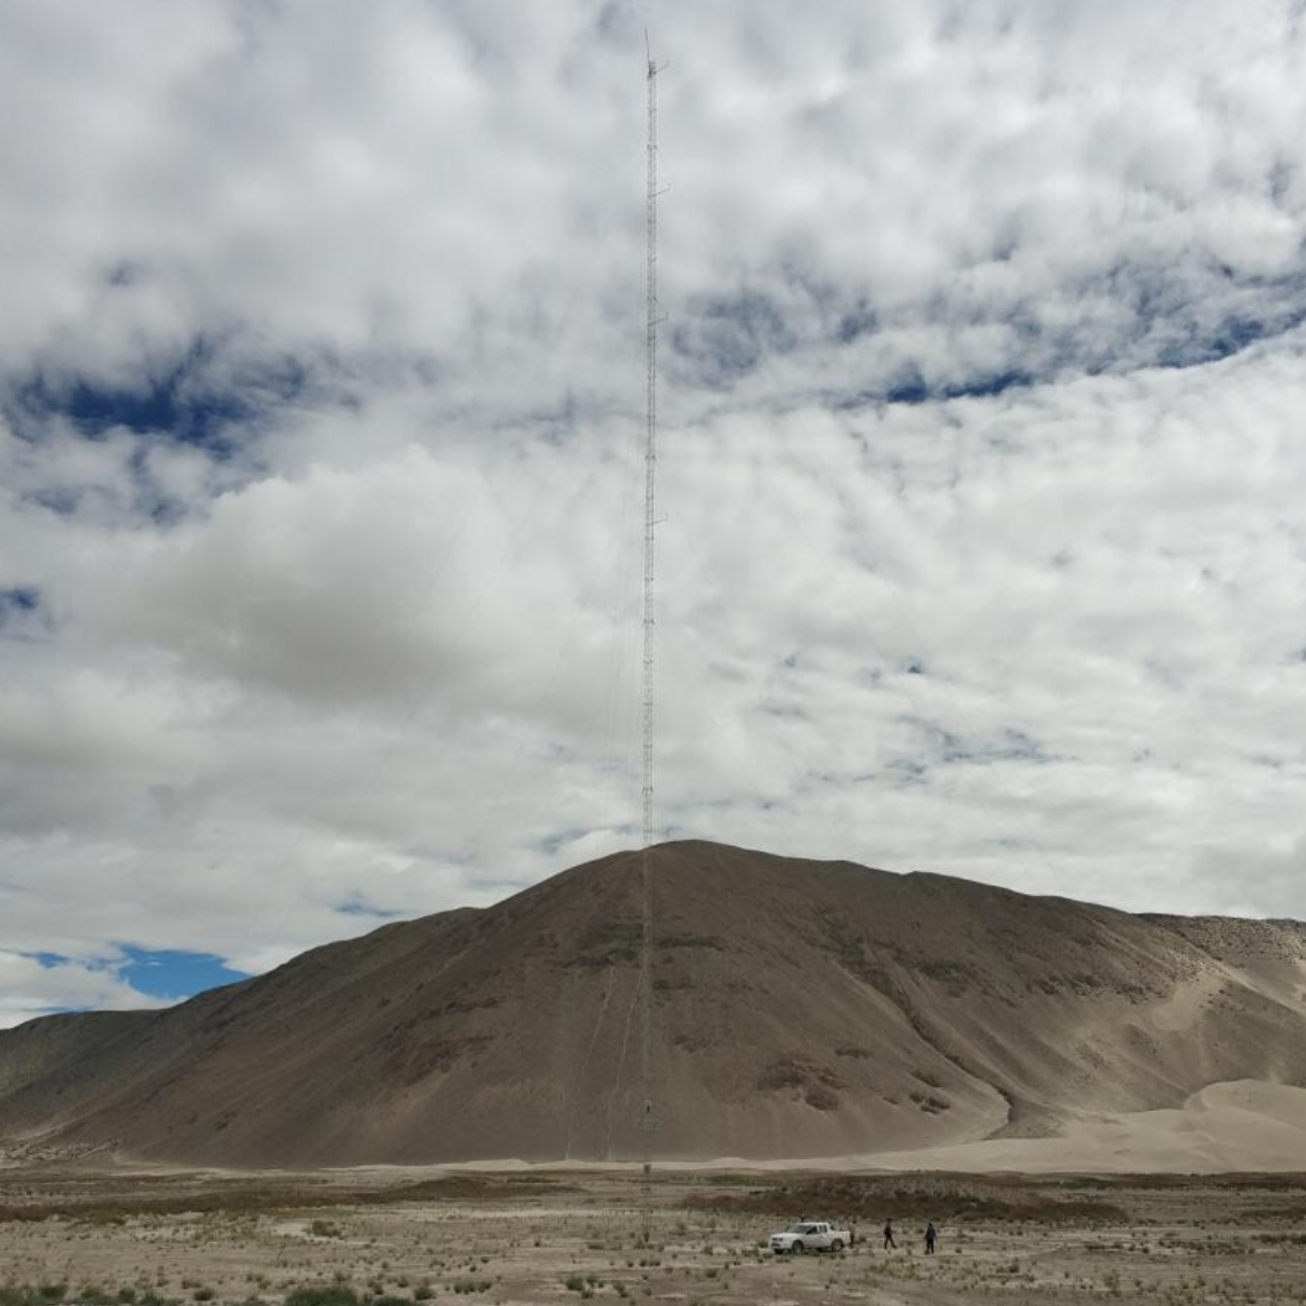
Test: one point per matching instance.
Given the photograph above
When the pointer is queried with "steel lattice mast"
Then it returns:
(648, 1122)
(650, 444)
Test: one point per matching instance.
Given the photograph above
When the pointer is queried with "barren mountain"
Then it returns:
(800, 1009)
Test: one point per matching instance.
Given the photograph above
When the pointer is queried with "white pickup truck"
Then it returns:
(810, 1236)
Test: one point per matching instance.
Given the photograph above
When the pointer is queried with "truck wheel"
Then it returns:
(837, 1245)
(797, 1249)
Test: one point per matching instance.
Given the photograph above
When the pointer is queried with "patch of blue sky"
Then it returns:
(172, 973)
(21, 614)
(156, 407)
(1234, 334)
(202, 400)
(357, 907)
(18, 600)
(1165, 328)
(911, 389)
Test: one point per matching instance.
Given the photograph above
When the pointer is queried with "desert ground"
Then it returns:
(335, 1238)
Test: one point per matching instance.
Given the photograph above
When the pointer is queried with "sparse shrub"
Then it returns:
(327, 1294)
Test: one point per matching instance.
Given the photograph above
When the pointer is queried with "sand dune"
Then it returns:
(1243, 1126)
(801, 1010)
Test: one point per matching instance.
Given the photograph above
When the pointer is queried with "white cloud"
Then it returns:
(30, 988)
(360, 626)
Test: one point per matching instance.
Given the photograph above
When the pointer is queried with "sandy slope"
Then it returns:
(801, 1009)
(1240, 1127)
(1244, 1126)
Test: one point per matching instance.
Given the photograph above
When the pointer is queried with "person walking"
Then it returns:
(931, 1237)
(889, 1244)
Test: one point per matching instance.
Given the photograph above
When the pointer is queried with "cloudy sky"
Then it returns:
(982, 469)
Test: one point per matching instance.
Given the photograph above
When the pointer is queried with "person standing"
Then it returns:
(931, 1237)
(889, 1244)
